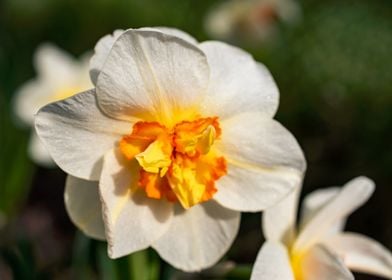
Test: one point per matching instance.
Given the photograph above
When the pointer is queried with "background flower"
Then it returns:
(59, 76)
(253, 21)
(320, 249)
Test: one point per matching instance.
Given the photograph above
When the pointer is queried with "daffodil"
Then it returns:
(58, 76)
(173, 142)
(253, 21)
(320, 249)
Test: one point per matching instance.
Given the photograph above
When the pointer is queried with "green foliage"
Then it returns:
(15, 167)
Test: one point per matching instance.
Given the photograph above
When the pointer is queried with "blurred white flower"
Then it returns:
(253, 21)
(59, 76)
(320, 249)
(174, 141)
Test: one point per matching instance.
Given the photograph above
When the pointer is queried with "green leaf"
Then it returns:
(106, 267)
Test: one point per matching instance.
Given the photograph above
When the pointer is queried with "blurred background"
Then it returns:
(332, 61)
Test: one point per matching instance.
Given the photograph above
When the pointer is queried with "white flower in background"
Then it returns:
(59, 76)
(174, 141)
(320, 249)
(253, 21)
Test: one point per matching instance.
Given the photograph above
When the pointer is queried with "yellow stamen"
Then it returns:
(156, 157)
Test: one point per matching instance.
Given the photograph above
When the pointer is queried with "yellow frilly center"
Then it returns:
(179, 163)
(156, 158)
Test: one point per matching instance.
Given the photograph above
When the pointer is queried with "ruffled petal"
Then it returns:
(319, 263)
(264, 162)
(198, 237)
(279, 221)
(273, 262)
(237, 84)
(132, 220)
(77, 134)
(362, 254)
(354, 194)
(101, 52)
(84, 206)
(152, 75)
(314, 202)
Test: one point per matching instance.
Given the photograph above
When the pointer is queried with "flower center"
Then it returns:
(178, 164)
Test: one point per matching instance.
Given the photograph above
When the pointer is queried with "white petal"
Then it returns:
(314, 202)
(362, 254)
(272, 263)
(174, 32)
(279, 221)
(198, 237)
(84, 206)
(265, 162)
(132, 220)
(101, 52)
(154, 75)
(77, 134)
(53, 64)
(319, 263)
(237, 84)
(105, 44)
(355, 193)
(38, 152)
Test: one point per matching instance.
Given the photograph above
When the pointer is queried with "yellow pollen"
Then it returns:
(179, 163)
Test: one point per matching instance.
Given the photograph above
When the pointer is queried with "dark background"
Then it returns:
(334, 72)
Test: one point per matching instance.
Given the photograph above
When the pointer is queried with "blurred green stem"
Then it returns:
(138, 265)
(143, 265)
(240, 272)
(107, 267)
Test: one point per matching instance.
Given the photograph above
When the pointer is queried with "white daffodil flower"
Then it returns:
(173, 142)
(320, 249)
(251, 20)
(59, 76)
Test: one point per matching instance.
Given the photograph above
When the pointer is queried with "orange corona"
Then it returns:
(177, 163)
